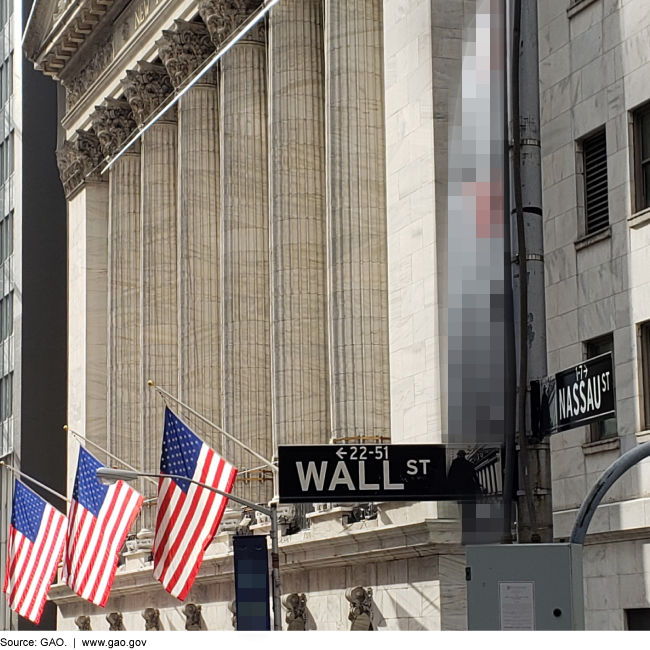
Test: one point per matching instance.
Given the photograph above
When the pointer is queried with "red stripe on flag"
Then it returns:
(200, 533)
(90, 566)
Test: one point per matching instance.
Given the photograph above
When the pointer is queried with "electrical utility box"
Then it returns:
(525, 587)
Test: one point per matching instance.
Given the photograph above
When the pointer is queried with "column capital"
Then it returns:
(184, 49)
(113, 122)
(78, 161)
(146, 88)
(222, 17)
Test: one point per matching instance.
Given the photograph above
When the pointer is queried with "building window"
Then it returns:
(642, 158)
(638, 619)
(594, 152)
(644, 372)
(605, 428)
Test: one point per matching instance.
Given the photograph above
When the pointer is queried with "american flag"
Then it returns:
(36, 540)
(188, 515)
(99, 521)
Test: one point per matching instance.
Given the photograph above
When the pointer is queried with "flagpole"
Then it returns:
(33, 480)
(111, 456)
(162, 391)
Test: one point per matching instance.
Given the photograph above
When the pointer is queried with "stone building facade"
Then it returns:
(269, 250)
(594, 74)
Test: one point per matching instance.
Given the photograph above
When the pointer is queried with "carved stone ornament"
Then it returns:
(151, 617)
(360, 600)
(184, 49)
(83, 623)
(232, 607)
(297, 615)
(146, 89)
(79, 83)
(223, 17)
(79, 161)
(113, 123)
(115, 622)
(192, 614)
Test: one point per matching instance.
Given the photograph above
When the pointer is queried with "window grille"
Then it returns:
(596, 195)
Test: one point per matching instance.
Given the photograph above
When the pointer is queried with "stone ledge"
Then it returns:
(609, 444)
(577, 6)
(594, 238)
(639, 219)
(357, 546)
(617, 521)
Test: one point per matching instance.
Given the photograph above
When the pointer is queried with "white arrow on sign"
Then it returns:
(341, 454)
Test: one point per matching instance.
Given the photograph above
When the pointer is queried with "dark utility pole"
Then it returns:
(534, 519)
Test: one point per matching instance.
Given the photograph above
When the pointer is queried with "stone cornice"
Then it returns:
(146, 89)
(184, 49)
(79, 161)
(113, 122)
(358, 544)
(68, 35)
(223, 17)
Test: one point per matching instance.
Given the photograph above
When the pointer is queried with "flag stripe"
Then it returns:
(192, 561)
(35, 546)
(197, 529)
(196, 497)
(188, 515)
(100, 519)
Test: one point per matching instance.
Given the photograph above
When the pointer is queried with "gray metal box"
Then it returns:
(525, 586)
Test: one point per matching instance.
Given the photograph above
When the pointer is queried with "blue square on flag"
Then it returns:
(180, 452)
(88, 490)
(27, 512)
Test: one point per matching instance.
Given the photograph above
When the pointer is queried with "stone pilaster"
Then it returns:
(87, 195)
(114, 123)
(199, 294)
(245, 262)
(145, 89)
(298, 228)
(80, 161)
(356, 213)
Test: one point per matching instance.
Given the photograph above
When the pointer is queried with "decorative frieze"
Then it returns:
(113, 122)
(79, 83)
(184, 49)
(223, 17)
(146, 89)
(79, 161)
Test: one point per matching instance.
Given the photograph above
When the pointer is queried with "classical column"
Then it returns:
(79, 164)
(298, 228)
(113, 122)
(356, 214)
(145, 89)
(199, 296)
(245, 248)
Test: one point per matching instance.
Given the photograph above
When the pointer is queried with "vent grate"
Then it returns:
(596, 195)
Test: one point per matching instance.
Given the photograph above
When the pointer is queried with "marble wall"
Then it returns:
(593, 59)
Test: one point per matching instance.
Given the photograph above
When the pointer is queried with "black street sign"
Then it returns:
(574, 397)
(358, 473)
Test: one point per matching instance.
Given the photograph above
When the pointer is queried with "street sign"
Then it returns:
(574, 397)
(357, 473)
